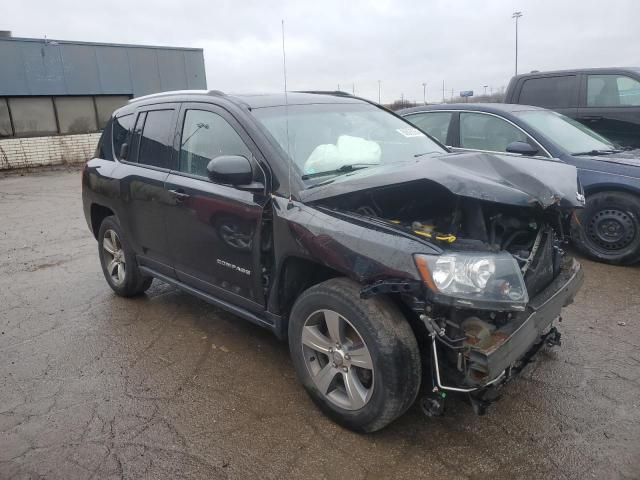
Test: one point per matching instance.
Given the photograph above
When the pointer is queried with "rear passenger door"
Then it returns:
(214, 229)
(142, 184)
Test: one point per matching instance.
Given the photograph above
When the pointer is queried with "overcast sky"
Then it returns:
(466, 43)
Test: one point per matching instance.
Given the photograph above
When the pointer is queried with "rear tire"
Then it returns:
(608, 228)
(363, 374)
(118, 261)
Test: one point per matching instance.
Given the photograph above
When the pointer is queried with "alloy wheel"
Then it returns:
(114, 258)
(337, 359)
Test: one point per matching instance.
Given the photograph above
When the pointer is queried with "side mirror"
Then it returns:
(230, 170)
(523, 148)
(124, 151)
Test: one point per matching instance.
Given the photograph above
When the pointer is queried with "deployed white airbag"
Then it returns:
(348, 150)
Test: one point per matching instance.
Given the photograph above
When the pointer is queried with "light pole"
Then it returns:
(424, 93)
(516, 15)
(485, 90)
(379, 88)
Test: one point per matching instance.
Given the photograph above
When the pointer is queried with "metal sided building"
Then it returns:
(55, 95)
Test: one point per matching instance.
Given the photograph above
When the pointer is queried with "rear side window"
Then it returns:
(552, 92)
(435, 124)
(121, 128)
(155, 142)
(612, 91)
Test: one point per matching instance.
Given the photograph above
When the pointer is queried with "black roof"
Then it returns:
(478, 107)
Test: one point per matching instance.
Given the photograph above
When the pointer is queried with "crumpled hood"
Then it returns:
(627, 157)
(508, 179)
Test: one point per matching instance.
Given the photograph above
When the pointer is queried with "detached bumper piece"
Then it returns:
(516, 343)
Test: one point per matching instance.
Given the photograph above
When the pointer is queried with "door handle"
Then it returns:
(179, 195)
(591, 118)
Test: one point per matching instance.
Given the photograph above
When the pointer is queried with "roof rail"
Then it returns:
(338, 93)
(177, 92)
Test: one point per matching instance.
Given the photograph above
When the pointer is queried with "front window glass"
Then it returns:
(326, 137)
(435, 124)
(479, 131)
(565, 132)
(205, 136)
(612, 91)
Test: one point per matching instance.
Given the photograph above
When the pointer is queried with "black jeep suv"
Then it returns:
(387, 261)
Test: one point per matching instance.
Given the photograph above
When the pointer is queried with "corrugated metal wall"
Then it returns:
(39, 67)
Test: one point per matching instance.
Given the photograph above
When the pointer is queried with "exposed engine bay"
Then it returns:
(457, 223)
(470, 335)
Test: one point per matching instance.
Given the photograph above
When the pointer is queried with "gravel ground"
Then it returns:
(166, 386)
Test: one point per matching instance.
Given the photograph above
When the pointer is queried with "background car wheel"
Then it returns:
(118, 261)
(358, 359)
(608, 228)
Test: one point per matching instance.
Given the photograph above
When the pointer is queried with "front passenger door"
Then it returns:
(214, 229)
(490, 133)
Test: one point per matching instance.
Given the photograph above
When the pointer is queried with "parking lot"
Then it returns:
(167, 386)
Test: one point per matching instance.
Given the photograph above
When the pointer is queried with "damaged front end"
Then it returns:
(497, 275)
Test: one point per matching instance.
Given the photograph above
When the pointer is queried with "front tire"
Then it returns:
(118, 261)
(358, 359)
(608, 228)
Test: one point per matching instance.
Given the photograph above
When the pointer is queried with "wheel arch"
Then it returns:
(592, 189)
(98, 213)
(296, 275)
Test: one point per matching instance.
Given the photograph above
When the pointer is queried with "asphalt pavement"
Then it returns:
(167, 386)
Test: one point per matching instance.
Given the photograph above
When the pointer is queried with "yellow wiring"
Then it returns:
(446, 238)
(450, 238)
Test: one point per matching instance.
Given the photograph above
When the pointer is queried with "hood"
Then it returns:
(511, 180)
(626, 157)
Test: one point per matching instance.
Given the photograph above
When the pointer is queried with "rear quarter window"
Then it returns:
(103, 149)
(550, 92)
(121, 128)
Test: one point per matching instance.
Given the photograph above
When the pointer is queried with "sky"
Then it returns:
(356, 45)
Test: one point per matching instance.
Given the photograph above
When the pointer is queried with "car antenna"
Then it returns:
(286, 115)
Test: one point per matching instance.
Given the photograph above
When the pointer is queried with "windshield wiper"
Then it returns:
(424, 153)
(597, 152)
(343, 169)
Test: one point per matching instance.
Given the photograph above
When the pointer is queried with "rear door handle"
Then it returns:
(179, 195)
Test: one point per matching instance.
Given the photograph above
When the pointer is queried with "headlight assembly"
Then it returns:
(474, 279)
